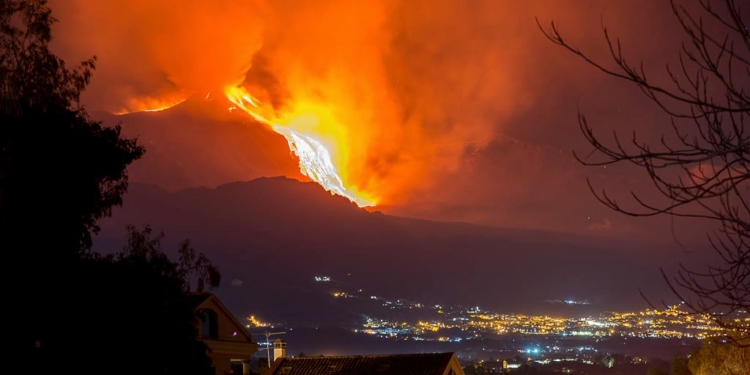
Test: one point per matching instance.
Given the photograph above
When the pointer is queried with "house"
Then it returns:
(230, 346)
(391, 364)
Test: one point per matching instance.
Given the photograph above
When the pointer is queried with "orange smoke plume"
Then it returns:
(376, 98)
(158, 52)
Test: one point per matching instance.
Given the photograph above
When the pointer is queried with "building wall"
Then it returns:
(232, 342)
(223, 363)
(454, 367)
(228, 330)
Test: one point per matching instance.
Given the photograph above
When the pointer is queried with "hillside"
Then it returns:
(272, 235)
(201, 143)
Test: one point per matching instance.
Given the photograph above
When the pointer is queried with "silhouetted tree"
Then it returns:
(55, 160)
(679, 366)
(720, 359)
(59, 171)
(477, 370)
(656, 371)
(524, 369)
(470, 370)
(700, 166)
(191, 268)
(262, 365)
(130, 313)
(530, 369)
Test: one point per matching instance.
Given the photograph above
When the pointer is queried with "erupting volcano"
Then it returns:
(306, 131)
(377, 100)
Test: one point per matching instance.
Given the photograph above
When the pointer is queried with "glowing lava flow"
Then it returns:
(315, 159)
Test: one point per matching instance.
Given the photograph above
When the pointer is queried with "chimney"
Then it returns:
(279, 349)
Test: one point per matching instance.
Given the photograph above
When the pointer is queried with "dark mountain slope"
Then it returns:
(201, 143)
(273, 235)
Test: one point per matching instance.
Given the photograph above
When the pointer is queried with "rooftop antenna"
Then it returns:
(268, 343)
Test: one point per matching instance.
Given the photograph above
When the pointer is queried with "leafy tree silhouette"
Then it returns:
(720, 359)
(60, 172)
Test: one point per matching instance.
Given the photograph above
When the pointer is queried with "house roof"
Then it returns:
(392, 364)
(197, 299)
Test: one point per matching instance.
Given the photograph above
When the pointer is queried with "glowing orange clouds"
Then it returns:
(158, 51)
(382, 96)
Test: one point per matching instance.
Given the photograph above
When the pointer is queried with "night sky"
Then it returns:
(446, 110)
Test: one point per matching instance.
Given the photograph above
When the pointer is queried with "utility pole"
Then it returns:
(268, 343)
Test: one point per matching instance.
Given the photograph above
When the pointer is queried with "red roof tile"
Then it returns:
(392, 364)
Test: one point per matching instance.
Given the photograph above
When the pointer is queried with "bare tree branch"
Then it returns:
(700, 168)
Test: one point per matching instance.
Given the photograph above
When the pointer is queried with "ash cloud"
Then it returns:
(421, 87)
(157, 51)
